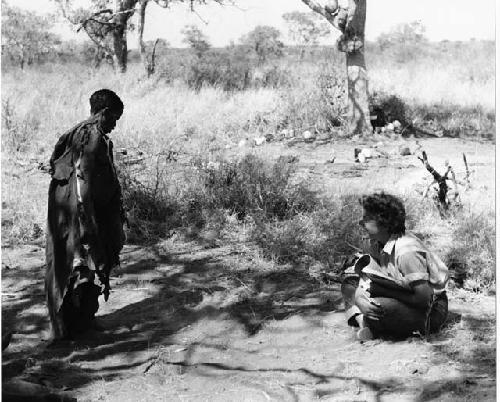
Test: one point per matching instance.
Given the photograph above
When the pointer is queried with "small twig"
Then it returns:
(354, 247)
(243, 283)
(467, 172)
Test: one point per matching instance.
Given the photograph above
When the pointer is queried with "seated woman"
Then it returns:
(418, 302)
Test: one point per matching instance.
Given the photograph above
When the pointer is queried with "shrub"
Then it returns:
(158, 202)
(315, 103)
(227, 70)
(270, 76)
(253, 186)
(453, 120)
(148, 206)
(394, 107)
(17, 132)
(473, 250)
(326, 235)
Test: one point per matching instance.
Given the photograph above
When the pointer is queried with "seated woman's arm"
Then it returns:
(413, 266)
(419, 296)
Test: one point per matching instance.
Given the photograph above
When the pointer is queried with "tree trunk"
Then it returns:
(140, 33)
(120, 49)
(357, 94)
(123, 11)
(357, 77)
(351, 22)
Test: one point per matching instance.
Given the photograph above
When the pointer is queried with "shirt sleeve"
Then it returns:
(413, 267)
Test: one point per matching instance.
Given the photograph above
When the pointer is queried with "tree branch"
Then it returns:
(63, 7)
(162, 3)
(99, 43)
(316, 7)
(104, 22)
(333, 14)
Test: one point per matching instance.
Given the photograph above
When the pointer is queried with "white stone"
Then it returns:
(213, 165)
(307, 135)
(396, 124)
(367, 153)
(390, 127)
(259, 140)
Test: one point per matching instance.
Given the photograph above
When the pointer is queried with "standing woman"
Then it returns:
(85, 219)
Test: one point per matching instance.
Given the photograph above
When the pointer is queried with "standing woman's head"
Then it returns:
(383, 216)
(109, 102)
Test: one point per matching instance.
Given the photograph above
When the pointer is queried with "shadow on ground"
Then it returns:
(158, 295)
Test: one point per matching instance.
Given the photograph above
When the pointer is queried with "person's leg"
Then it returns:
(389, 317)
(395, 319)
(348, 290)
(84, 300)
(438, 313)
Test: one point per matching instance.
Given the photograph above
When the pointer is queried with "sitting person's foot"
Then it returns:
(364, 334)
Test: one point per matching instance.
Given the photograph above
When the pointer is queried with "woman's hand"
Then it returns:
(370, 308)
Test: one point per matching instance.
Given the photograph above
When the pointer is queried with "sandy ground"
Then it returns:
(187, 321)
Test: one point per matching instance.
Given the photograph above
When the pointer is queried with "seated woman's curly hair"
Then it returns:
(387, 210)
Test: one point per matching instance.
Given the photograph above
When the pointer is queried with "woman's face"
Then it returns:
(374, 230)
(111, 117)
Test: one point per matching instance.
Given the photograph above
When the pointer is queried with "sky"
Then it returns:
(443, 19)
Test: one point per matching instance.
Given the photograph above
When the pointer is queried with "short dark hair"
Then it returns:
(105, 98)
(387, 210)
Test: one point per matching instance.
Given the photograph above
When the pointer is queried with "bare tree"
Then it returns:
(350, 21)
(108, 21)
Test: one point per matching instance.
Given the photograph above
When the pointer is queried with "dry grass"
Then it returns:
(39, 104)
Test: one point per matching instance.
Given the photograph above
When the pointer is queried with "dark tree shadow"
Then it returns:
(476, 359)
(176, 300)
(181, 295)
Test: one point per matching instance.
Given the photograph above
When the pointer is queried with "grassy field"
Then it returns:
(230, 242)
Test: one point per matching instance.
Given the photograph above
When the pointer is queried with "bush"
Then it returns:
(473, 251)
(270, 76)
(228, 70)
(315, 103)
(149, 208)
(253, 186)
(18, 133)
(393, 106)
(326, 235)
(454, 121)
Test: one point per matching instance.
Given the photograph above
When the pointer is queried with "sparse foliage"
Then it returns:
(26, 36)
(265, 42)
(196, 39)
(407, 34)
(305, 29)
(107, 22)
(403, 41)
